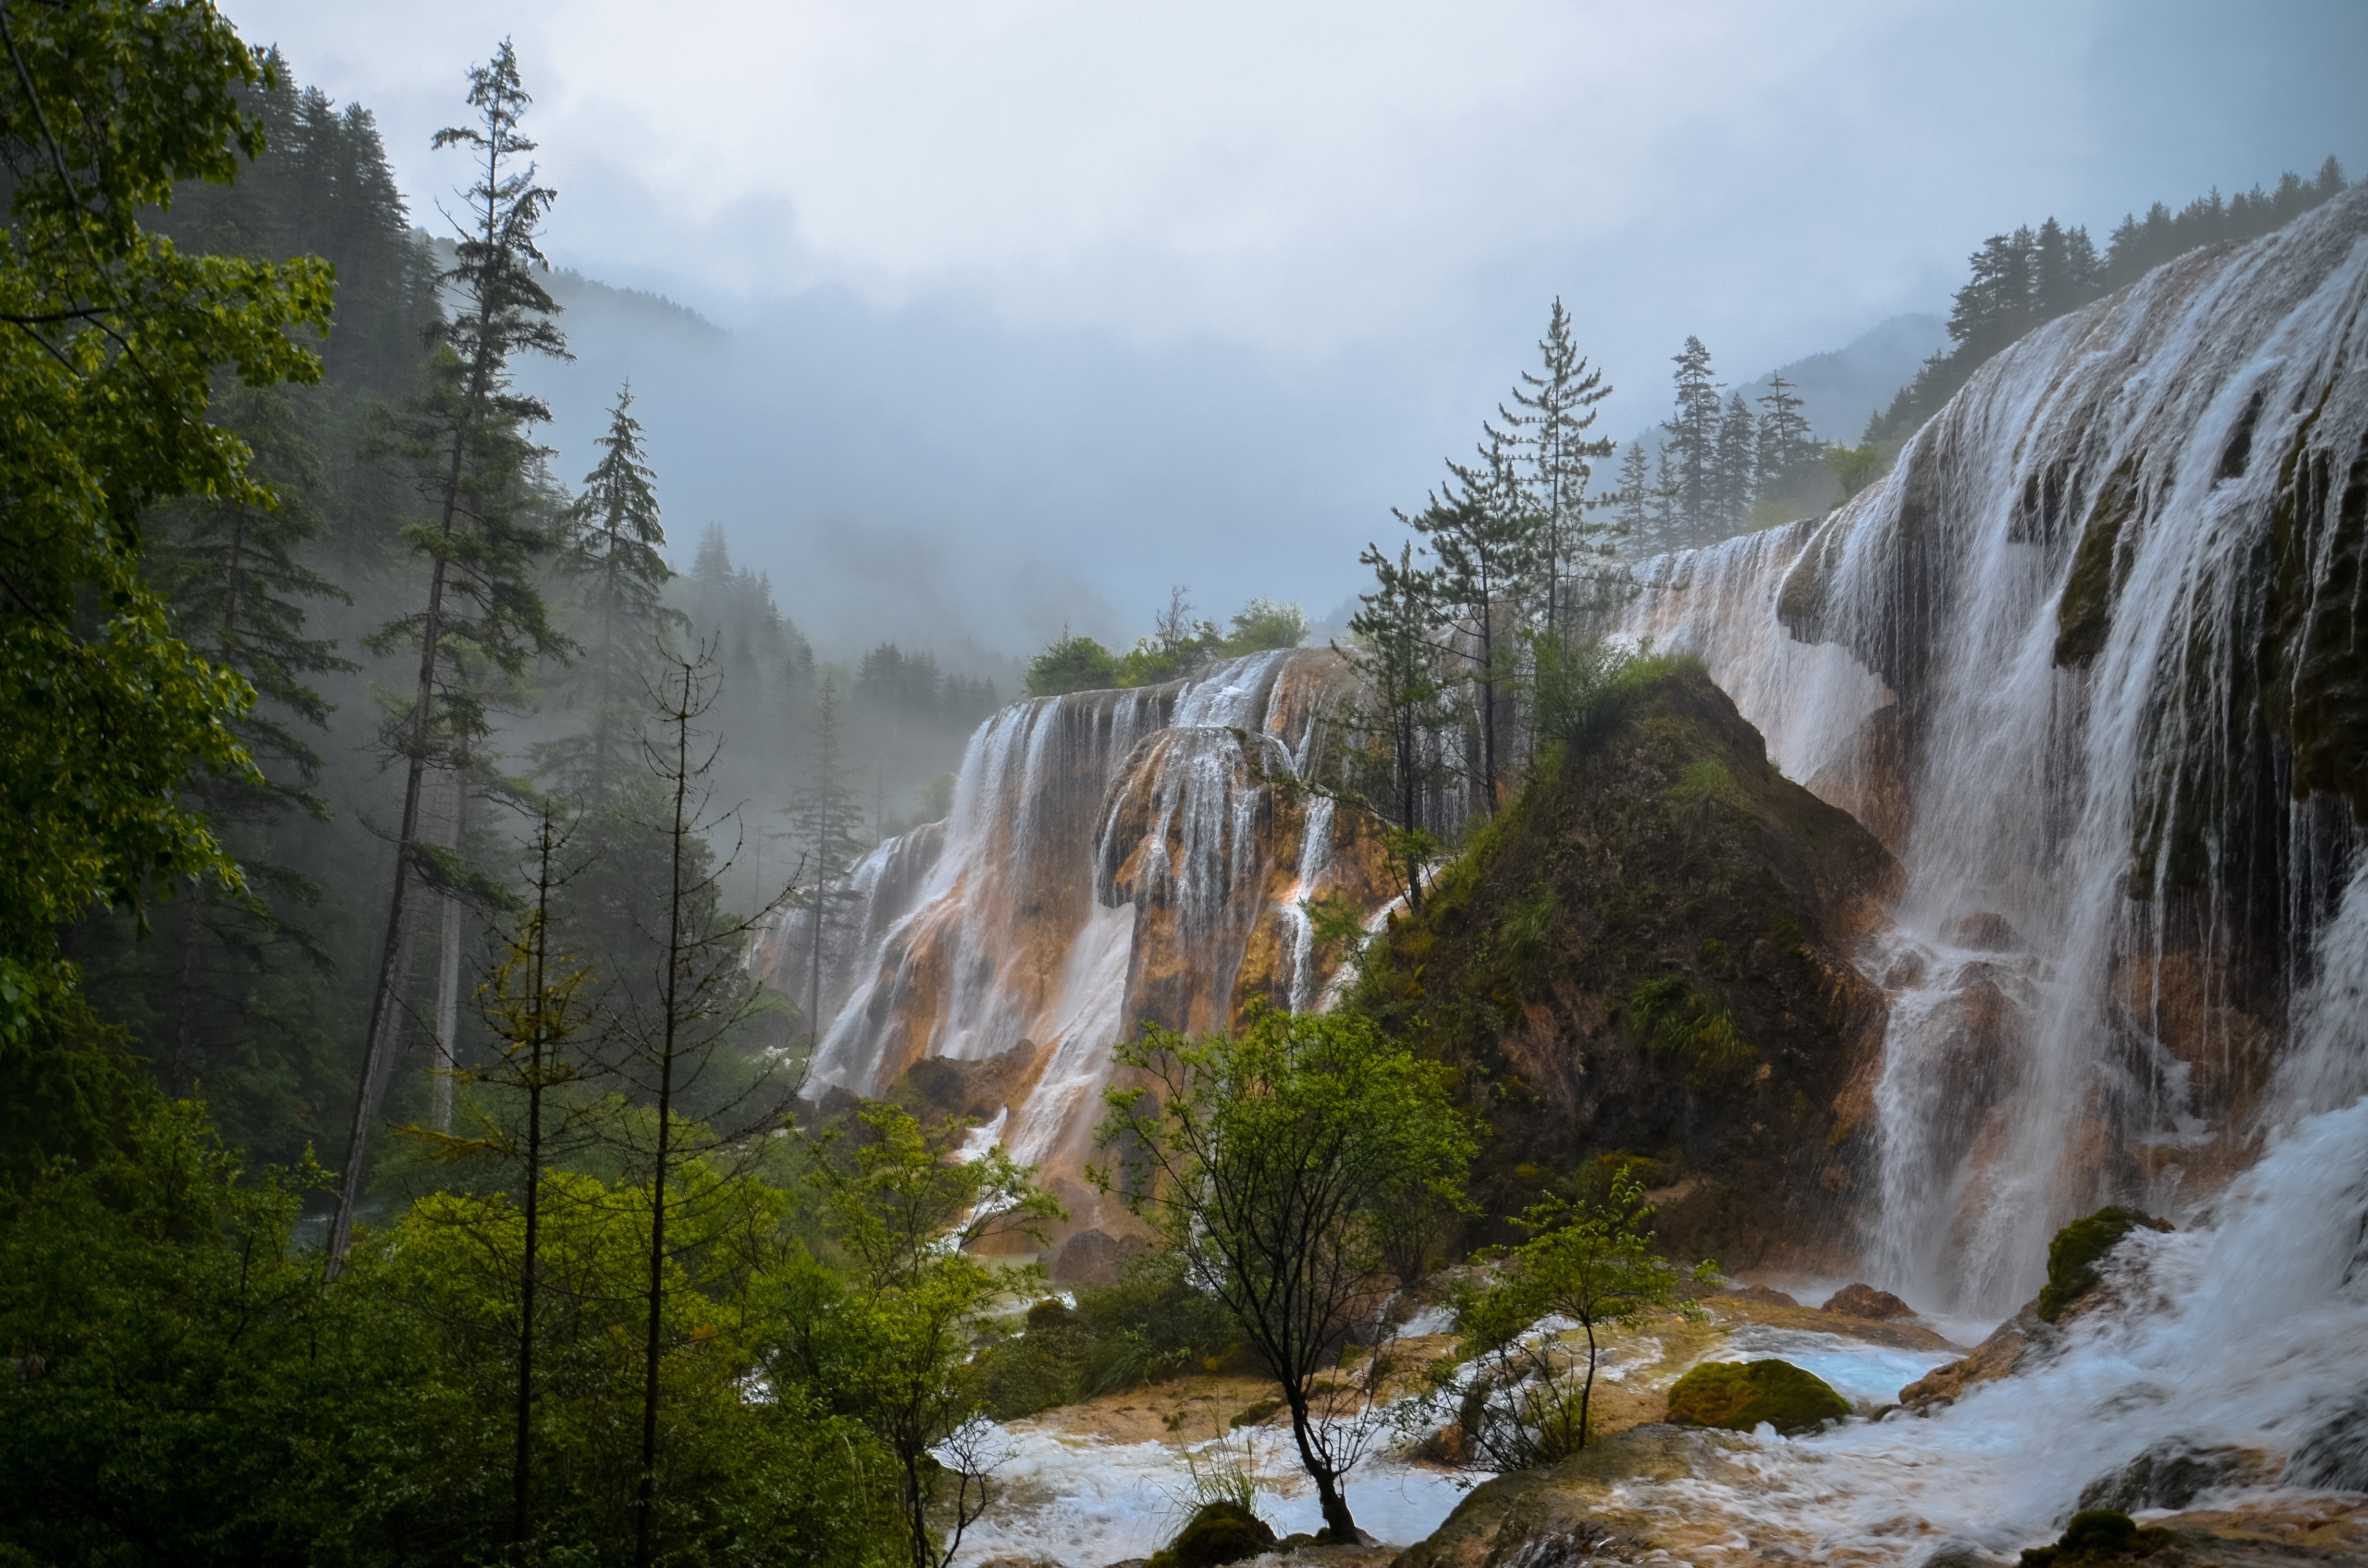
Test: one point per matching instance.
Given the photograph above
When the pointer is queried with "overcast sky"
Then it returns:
(1111, 296)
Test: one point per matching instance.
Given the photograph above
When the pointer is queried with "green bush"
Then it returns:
(1739, 1395)
(1071, 664)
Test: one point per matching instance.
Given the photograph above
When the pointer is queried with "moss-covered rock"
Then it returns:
(2097, 1536)
(1645, 959)
(1220, 1533)
(2073, 1255)
(1739, 1395)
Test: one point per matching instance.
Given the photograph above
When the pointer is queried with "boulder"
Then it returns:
(1866, 1301)
(1739, 1395)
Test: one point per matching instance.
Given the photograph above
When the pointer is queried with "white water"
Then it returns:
(1901, 658)
(1105, 860)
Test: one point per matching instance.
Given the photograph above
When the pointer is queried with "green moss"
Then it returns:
(2084, 616)
(2072, 1256)
(1221, 1532)
(2097, 1536)
(1739, 1395)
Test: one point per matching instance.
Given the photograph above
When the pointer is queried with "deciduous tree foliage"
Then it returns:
(112, 340)
(1270, 1159)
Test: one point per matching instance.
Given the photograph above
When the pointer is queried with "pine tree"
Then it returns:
(612, 553)
(1637, 499)
(468, 434)
(1397, 653)
(1693, 448)
(1489, 535)
(234, 571)
(675, 1030)
(1787, 450)
(1549, 420)
(826, 822)
(1738, 469)
(1668, 491)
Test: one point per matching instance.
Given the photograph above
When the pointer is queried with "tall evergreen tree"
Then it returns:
(1553, 409)
(1737, 463)
(826, 823)
(234, 571)
(468, 434)
(614, 537)
(1487, 534)
(1637, 499)
(1787, 450)
(1692, 450)
(1397, 651)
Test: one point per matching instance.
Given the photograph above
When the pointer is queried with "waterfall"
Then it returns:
(1111, 857)
(2088, 661)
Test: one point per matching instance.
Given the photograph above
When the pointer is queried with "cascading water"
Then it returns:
(1111, 857)
(2082, 661)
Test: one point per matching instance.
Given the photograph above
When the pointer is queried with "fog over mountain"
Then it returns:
(1027, 314)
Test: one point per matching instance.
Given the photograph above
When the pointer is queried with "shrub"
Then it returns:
(1071, 664)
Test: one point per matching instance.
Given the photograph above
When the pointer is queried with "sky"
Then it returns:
(1036, 308)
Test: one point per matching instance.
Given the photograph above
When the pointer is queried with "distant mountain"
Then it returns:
(1840, 388)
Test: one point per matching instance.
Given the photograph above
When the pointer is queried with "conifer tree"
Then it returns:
(1487, 534)
(234, 571)
(1738, 471)
(1549, 420)
(467, 435)
(704, 1101)
(825, 821)
(1397, 651)
(1787, 450)
(1692, 454)
(1636, 498)
(614, 537)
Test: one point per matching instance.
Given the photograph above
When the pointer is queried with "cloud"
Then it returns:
(1268, 261)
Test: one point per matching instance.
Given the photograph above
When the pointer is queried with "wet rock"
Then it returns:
(1994, 1358)
(2174, 1472)
(2335, 1456)
(1095, 1257)
(1865, 1301)
(1960, 1555)
(1549, 1511)
(1740, 1395)
(1986, 933)
(1763, 1295)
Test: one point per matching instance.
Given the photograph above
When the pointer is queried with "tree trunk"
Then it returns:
(448, 976)
(1328, 1496)
(647, 1499)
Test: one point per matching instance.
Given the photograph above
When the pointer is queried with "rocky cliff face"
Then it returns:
(1112, 857)
(1650, 957)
